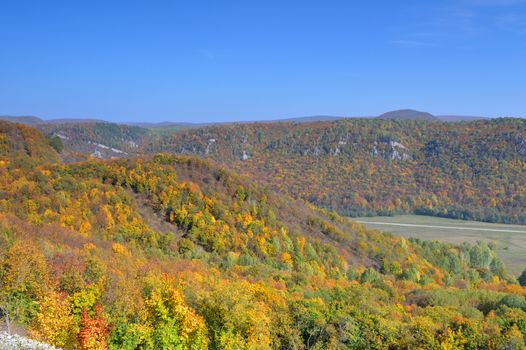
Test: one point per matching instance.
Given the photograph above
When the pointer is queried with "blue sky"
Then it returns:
(201, 61)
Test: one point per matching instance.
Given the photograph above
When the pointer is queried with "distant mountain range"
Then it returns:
(309, 119)
(32, 120)
(411, 114)
(402, 114)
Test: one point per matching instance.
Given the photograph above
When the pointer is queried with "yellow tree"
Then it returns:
(54, 322)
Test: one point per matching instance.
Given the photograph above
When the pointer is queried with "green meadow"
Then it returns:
(510, 240)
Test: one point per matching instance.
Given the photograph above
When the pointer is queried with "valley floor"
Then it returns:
(509, 239)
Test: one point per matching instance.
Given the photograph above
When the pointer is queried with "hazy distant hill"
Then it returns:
(32, 120)
(404, 114)
(21, 119)
(408, 114)
(182, 125)
(74, 120)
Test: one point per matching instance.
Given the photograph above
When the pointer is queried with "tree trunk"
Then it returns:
(8, 323)
(5, 313)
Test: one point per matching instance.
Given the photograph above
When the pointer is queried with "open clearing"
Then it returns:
(509, 239)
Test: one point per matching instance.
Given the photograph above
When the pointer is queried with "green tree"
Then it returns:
(56, 143)
(522, 278)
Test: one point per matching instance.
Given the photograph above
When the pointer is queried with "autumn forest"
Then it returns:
(237, 243)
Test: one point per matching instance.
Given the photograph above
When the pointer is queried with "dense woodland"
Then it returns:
(77, 135)
(358, 167)
(175, 252)
(469, 170)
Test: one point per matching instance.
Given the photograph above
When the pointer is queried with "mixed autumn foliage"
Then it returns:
(174, 252)
(358, 167)
(366, 167)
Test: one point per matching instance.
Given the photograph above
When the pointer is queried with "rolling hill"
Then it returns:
(170, 251)
(31, 120)
(404, 114)
(408, 114)
(470, 170)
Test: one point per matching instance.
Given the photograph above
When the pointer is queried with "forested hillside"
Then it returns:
(174, 252)
(470, 170)
(98, 139)
(20, 143)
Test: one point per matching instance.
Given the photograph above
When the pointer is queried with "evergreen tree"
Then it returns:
(522, 278)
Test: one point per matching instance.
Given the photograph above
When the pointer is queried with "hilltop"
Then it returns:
(22, 119)
(408, 114)
(35, 121)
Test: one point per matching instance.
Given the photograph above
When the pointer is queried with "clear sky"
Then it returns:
(202, 61)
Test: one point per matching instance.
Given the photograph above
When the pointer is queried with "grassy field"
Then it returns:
(509, 239)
